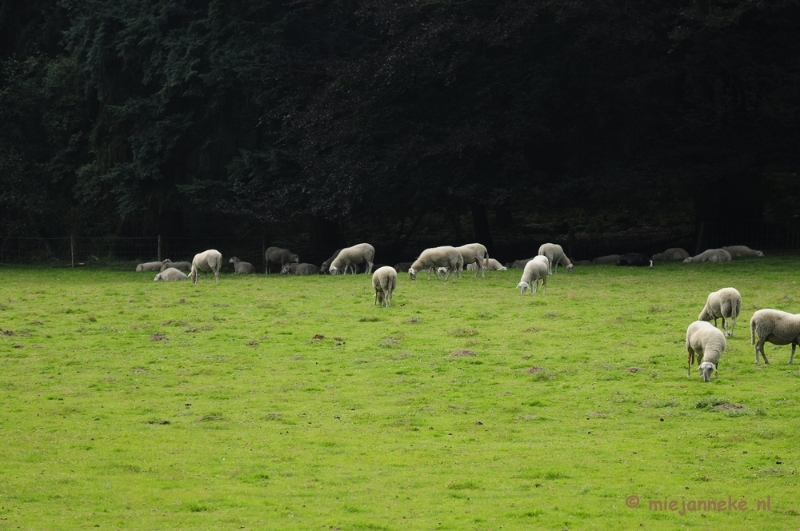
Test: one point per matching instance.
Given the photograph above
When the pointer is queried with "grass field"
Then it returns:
(293, 403)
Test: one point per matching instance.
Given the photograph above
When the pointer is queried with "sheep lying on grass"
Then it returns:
(739, 251)
(384, 280)
(555, 254)
(150, 266)
(710, 255)
(490, 265)
(708, 343)
(535, 270)
(300, 269)
(673, 253)
(726, 304)
(363, 253)
(170, 274)
(474, 253)
(634, 260)
(180, 266)
(776, 327)
(243, 268)
(206, 262)
(518, 264)
(608, 259)
(434, 257)
(278, 255)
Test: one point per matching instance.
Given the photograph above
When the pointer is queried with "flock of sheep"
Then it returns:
(704, 342)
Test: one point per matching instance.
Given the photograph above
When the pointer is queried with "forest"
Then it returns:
(318, 123)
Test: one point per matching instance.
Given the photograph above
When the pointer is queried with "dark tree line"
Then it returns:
(334, 119)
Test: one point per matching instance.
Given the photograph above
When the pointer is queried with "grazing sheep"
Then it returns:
(150, 266)
(555, 254)
(180, 266)
(608, 259)
(708, 343)
(170, 274)
(776, 327)
(327, 263)
(353, 256)
(402, 267)
(490, 265)
(207, 262)
(518, 264)
(726, 304)
(474, 253)
(384, 280)
(710, 255)
(278, 255)
(739, 251)
(240, 267)
(634, 260)
(300, 269)
(444, 256)
(536, 269)
(673, 253)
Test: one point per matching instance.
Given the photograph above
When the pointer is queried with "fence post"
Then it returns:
(159, 247)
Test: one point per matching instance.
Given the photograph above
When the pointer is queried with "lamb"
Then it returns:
(710, 255)
(207, 262)
(384, 280)
(444, 256)
(725, 303)
(170, 274)
(240, 267)
(150, 266)
(353, 256)
(608, 259)
(300, 269)
(673, 253)
(278, 255)
(536, 269)
(555, 254)
(739, 251)
(634, 260)
(708, 341)
(777, 327)
(474, 253)
(180, 266)
(490, 265)
(327, 263)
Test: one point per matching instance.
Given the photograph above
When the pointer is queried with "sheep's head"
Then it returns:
(295, 259)
(412, 273)
(233, 260)
(522, 286)
(570, 267)
(706, 368)
(158, 277)
(167, 261)
(759, 253)
(333, 270)
(285, 270)
(687, 260)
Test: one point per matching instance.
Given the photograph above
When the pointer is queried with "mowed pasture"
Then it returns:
(273, 402)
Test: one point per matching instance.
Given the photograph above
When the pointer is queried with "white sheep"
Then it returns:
(739, 251)
(536, 269)
(180, 266)
(710, 255)
(474, 253)
(490, 265)
(150, 266)
(608, 259)
(207, 262)
(240, 267)
(708, 343)
(726, 304)
(441, 272)
(384, 280)
(776, 327)
(353, 256)
(444, 256)
(170, 274)
(555, 254)
(673, 253)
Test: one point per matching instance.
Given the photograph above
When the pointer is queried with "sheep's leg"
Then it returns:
(760, 346)
(690, 361)
(791, 358)
(369, 267)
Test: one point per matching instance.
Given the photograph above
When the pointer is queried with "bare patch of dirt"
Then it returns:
(461, 353)
(139, 371)
(532, 330)
(318, 337)
(415, 320)
(161, 422)
(252, 343)
(634, 369)
(727, 407)
(402, 356)
(534, 370)
(158, 337)
(8, 333)
(337, 338)
(172, 321)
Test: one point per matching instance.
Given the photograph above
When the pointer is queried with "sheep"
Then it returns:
(776, 327)
(240, 267)
(634, 260)
(536, 269)
(278, 255)
(710, 255)
(300, 269)
(150, 266)
(739, 251)
(441, 272)
(490, 265)
(555, 254)
(402, 266)
(474, 253)
(327, 263)
(444, 256)
(518, 264)
(673, 253)
(608, 259)
(170, 274)
(353, 256)
(725, 303)
(384, 280)
(708, 343)
(207, 262)
(582, 262)
(180, 266)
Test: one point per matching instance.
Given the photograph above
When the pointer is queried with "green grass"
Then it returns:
(294, 403)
